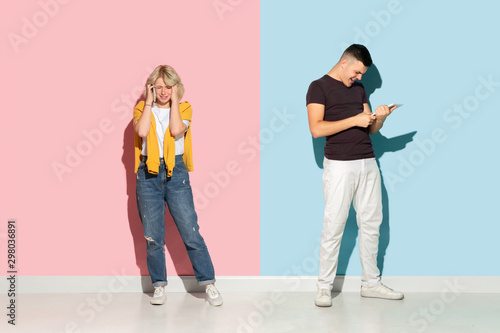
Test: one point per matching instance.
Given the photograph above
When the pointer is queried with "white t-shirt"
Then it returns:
(162, 118)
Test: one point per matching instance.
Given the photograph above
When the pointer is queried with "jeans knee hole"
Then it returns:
(149, 240)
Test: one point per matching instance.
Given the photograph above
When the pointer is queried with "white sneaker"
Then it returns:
(381, 291)
(158, 296)
(214, 297)
(323, 297)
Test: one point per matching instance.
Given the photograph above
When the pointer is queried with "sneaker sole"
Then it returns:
(157, 302)
(215, 304)
(322, 305)
(382, 296)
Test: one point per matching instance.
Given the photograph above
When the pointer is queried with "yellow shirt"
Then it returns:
(153, 162)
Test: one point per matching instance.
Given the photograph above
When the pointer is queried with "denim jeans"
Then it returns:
(153, 191)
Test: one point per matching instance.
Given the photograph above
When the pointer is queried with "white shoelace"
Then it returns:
(158, 292)
(383, 286)
(212, 292)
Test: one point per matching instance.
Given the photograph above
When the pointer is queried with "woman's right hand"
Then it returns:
(149, 94)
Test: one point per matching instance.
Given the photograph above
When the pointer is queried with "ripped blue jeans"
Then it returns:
(153, 191)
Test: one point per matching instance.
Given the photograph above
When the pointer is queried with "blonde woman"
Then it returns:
(163, 157)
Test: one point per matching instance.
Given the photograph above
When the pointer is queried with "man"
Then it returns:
(337, 108)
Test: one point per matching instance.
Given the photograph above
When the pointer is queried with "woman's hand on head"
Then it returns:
(149, 94)
(175, 94)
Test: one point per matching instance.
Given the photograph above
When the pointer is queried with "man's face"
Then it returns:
(353, 70)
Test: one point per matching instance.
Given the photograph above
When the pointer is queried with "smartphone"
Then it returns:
(396, 105)
(154, 94)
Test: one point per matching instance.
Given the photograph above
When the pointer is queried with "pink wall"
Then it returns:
(71, 71)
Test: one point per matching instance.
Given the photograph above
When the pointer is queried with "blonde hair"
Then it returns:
(169, 75)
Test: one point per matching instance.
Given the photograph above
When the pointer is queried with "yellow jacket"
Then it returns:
(153, 162)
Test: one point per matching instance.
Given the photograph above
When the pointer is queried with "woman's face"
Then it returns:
(163, 92)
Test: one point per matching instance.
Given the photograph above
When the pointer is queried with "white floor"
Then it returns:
(253, 312)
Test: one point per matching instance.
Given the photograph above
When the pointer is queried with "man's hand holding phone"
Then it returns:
(384, 110)
(364, 119)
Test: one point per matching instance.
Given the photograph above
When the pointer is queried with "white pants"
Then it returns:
(344, 182)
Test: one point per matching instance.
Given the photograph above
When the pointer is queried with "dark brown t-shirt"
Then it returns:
(340, 103)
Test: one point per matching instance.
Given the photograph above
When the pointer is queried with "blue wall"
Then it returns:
(439, 154)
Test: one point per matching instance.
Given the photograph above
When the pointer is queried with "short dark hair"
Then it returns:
(360, 52)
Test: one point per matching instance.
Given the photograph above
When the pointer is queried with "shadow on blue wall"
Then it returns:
(381, 145)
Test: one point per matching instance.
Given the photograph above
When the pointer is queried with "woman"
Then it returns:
(163, 157)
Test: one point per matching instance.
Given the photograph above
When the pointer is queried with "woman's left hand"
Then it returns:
(175, 94)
